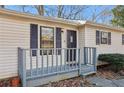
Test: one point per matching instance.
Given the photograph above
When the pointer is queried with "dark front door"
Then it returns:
(71, 43)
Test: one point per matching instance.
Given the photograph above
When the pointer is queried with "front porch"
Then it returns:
(41, 66)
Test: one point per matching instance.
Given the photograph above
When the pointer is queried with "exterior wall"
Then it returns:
(81, 37)
(81, 40)
(14, 33)
(116, 40)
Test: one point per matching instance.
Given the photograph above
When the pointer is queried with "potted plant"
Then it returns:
(15, 82)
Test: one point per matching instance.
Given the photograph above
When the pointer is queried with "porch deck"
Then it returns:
(60, 64)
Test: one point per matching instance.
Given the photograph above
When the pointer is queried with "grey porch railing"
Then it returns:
(34, 63)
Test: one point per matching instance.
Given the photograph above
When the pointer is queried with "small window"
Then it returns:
(123, 39)
(47, 39)
(104, 37)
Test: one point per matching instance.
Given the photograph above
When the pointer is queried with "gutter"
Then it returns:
(103, 25)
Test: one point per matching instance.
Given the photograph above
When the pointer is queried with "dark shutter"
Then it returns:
(98, 35)
(123, 39)
(68, 39)
(33, 38)
(109, 38)
(58, 39)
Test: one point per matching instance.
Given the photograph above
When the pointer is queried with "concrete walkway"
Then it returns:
(102, 82)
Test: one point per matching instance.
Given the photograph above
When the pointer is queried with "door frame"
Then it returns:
(69, 52)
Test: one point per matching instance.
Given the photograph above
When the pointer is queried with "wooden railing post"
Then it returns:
(85, 55)
(19, 63)
(80, 59)
(24, 67)
(95, 59)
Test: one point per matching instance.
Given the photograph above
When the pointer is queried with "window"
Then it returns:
(47, 38)
(104, 37)
(123, 39)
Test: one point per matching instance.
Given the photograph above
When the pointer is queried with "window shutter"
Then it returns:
(33, 37)
(123, 39)
(58, 39)
(97, 37)
(109, 38)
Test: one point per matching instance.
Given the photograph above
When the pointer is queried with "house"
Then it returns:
(43, 49)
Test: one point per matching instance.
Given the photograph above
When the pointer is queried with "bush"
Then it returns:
(116, 60)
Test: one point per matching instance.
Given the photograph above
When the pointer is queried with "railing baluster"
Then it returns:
(87, 56)
(84, 54)
(72, 58)
(65, 57)
(30, 62)
(60, 59)
(74, 51)
(56, 60)
(92, 56)
(69, 59)
(42, 62)
(24, 67)
(95, 60)
(79, 58)
(47, 61)
(77, 53)
(52, 60)
(37, 62)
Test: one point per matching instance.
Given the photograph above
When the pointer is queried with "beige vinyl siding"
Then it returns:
(81, 40)
(116, 40)
(13, 34)
(81, 37)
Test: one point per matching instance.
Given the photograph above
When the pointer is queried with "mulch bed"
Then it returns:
(106, 72)
(5, 83)
(73, 82)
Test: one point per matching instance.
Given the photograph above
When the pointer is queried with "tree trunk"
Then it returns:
(40, 9)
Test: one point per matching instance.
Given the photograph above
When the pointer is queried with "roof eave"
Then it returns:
(31, 16)
(105, 26)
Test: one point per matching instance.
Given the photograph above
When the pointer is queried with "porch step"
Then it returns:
(87, 70)
(88, 73)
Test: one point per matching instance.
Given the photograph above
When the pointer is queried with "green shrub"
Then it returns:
(116, 60)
